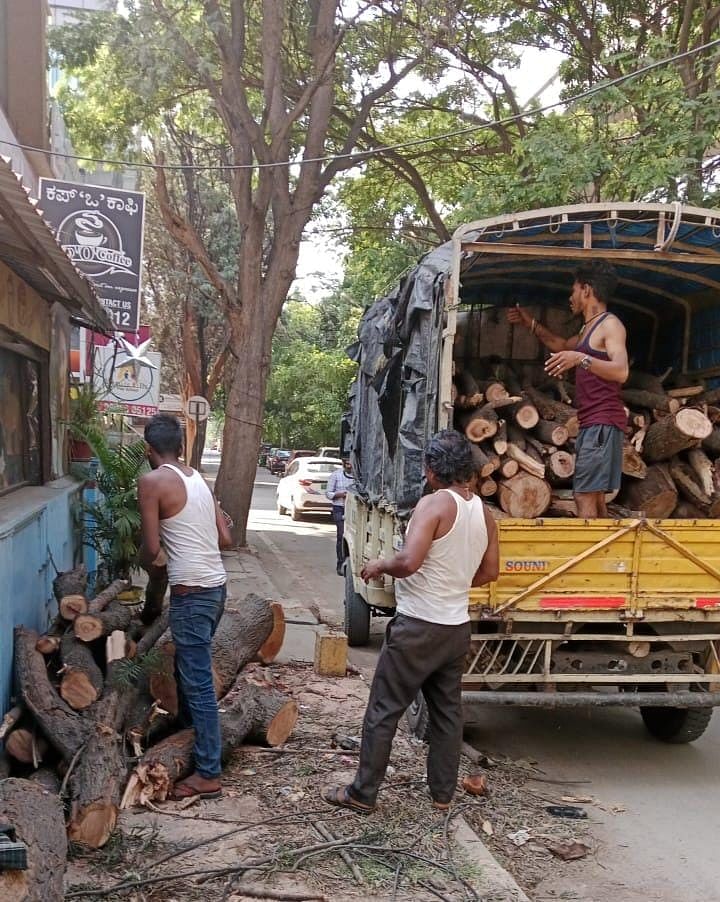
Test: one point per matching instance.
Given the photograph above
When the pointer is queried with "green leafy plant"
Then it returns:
(111, 523)
(84, 422)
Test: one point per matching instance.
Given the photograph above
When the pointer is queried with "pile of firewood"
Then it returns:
(96, 728)
(523, 427)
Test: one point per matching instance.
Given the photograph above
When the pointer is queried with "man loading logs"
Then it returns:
(451, 544)
(178, 509)
(599, 355)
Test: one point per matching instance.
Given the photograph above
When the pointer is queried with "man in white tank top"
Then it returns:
(183, 525)
(451, 544)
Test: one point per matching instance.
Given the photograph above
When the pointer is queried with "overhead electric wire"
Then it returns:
(360, 155)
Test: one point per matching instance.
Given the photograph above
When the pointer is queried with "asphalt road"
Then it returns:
(661, 848)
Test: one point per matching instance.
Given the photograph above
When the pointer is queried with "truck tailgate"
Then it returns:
(604, 565)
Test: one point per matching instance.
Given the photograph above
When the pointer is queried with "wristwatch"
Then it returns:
(586, 362)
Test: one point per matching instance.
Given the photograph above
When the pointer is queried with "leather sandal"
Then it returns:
(340, 797)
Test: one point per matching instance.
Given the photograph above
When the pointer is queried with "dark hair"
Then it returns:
(164, 434)
(449, 456)
(600, 276)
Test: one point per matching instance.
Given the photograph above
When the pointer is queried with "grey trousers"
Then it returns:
(416, 655)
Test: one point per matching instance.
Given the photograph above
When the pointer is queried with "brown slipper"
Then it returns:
(340, 796)
(185, 789)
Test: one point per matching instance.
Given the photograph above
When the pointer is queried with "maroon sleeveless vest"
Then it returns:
(598, 401)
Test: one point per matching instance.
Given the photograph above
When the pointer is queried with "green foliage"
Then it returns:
(111, 524)
(311, 373)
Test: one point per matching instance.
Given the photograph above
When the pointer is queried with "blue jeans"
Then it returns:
(193, 620)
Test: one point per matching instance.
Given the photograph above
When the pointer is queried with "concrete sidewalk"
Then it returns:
(246, 574)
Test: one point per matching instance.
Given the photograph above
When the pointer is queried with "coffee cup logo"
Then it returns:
(93, 243)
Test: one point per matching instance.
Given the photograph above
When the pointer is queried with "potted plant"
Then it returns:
(84, 422)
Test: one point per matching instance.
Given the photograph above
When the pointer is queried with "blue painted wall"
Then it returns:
(34, 523)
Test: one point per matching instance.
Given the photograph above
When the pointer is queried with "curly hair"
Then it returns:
(601, 276)
(449, 456)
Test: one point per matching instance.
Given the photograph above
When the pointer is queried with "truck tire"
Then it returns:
(357, 613)
(676, 725)
(418, 718)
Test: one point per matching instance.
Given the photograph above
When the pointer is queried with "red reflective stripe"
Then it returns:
(707, 602)
(582, 601)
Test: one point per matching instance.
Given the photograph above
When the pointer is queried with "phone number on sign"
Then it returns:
(132, 410)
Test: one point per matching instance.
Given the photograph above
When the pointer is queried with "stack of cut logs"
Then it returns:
(95, 724)
(523, 433)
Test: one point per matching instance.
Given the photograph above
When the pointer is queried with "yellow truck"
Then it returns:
(584, 612)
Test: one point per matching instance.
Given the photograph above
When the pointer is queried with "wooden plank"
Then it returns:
(499, 247)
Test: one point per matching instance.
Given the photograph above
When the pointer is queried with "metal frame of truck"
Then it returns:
(600, 612)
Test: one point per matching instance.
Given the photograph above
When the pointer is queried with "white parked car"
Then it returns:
(302, 488)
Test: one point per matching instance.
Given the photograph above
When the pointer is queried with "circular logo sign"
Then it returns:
(130, 381)
(93, 243)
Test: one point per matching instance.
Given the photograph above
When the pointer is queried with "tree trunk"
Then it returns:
(62, 726)
(256, 712)
(655, 496)
(37, 817)
(524, 496)
(89, 627)
(239, 637)
(675, 433)
(245, 410)
(82, 680)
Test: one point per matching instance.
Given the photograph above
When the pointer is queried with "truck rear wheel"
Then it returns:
(676, 725)
(357, 613)
(418, 718)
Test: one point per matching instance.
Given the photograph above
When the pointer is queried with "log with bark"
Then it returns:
(703, 468)
(525, 461)
(656, 495)
(677, 432)
(37, 816)
(479, 424)
(96, 624)
(256, 713)
(500, 439)
(493, 391)
(239, 636)
(81, 679)
(468, 391)
(649, 400)
(632, 463)
(688, 484)
(549, 409)
(71, 582)
(64, 728)
(551, 433)
(525, 414)
(485, 464)
(560, 467)
(25, 746)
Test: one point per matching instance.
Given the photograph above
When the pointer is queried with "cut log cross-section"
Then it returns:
(71, 582)
(549, 409)
(256, 712)
(524, 495)
(551, 433)
(37, 817)
(26, 747)
(81, 682)
(525, 461)
(270, 648)
(71, 606)
(484, 463)
(479, 424)
(560, 466)
(96, 624)
(525, 414)
(675, 433)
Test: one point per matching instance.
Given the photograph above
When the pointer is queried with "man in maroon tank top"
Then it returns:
(598, 354)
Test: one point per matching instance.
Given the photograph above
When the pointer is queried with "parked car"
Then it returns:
(327, 451)
(277, 461)
(295, 454)
(302, 489)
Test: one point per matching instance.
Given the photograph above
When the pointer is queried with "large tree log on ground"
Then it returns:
(95, 625)
(81, 682)
(72, 605)
(239, 636)
(524, 496)
(258, 713)
(675, 433)
(270, 648)
(62, 726)
(37, 817)
(655, 496)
